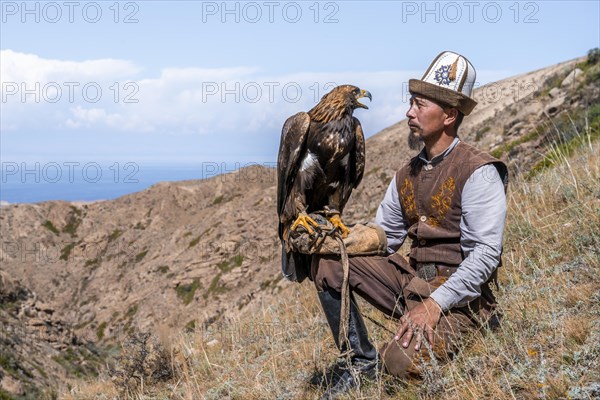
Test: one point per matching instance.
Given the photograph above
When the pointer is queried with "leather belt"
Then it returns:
(428, 271)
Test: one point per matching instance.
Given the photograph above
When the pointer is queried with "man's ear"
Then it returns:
(451, 115)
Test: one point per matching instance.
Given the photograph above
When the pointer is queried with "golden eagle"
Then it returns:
(321, 159)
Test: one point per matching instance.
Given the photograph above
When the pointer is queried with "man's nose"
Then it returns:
(410, 113)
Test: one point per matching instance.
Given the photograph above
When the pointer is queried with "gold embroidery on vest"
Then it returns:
(407, 197)
(441, 201)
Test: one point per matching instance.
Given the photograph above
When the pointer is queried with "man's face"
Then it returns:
(425, 117)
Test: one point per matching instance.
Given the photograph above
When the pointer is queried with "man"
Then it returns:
(450, 201)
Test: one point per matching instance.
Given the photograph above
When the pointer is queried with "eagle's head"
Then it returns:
(341, 100)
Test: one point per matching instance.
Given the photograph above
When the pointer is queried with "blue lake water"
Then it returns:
(32, 183)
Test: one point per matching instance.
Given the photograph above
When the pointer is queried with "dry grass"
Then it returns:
(546, 347)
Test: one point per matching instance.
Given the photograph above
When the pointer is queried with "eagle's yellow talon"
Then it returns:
(336, 221)
(306, 222)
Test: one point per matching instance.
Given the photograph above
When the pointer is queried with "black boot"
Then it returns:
(364, 360)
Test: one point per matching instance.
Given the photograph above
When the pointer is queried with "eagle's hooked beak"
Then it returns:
(364, 93)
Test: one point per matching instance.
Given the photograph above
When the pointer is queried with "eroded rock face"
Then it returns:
(11, 291)
(546, 101)
(554, 106)
(38, 350)
(574, 76)
(12, 386)
(555, 92)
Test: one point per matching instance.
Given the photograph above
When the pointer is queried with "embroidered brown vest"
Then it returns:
(430, 197)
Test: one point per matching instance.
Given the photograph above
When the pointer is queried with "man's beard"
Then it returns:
(415, 142)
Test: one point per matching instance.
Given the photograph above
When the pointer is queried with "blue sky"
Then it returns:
(185, 82)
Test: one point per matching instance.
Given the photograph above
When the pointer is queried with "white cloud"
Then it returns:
(203, 101)
(30, 68)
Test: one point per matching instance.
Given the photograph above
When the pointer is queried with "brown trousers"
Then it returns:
(390, 284)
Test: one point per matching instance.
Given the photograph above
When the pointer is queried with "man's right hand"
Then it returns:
(420, 321)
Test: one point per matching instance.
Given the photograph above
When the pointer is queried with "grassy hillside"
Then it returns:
(547, 346)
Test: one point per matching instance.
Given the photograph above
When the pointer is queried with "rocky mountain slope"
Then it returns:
(182, 254)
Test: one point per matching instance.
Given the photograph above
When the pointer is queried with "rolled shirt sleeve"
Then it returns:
(391, 218)
(482, 228)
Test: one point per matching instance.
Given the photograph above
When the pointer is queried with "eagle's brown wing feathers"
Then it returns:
(359, 153)
(356, 166)
(291, 150)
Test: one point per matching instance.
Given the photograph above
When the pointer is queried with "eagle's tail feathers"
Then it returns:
(295, 266)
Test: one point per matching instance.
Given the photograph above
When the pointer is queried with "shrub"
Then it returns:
(143, 361)
(593, 56)
(50, 226)
(186, 292)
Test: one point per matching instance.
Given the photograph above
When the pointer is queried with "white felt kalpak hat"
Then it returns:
(449, 79)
